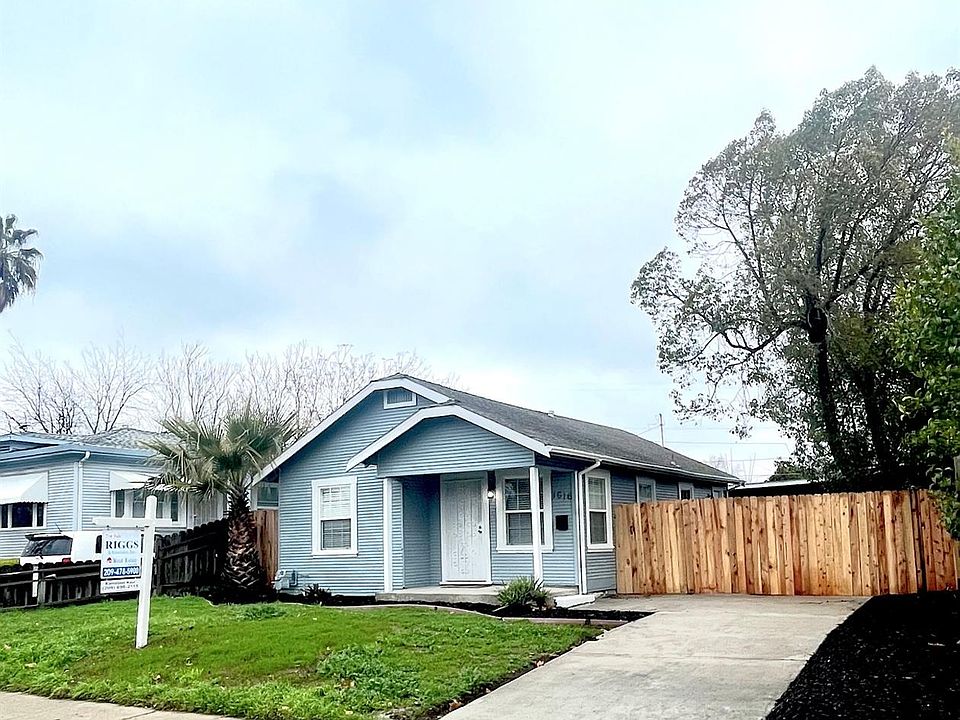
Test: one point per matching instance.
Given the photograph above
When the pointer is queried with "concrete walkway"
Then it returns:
(15, 706)
(698, 656)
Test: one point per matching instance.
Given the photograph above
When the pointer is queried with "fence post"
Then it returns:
(41, 587)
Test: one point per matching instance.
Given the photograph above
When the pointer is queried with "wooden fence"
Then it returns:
(191, 560)
(268, 541)
(871, 543)
(49, 585)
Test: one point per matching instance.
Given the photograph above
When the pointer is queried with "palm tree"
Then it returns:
(18, 264)
(224, 457)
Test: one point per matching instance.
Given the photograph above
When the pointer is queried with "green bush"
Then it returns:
(316, 595)
(523, 593)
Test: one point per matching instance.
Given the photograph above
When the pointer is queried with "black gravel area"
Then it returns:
(897, 656)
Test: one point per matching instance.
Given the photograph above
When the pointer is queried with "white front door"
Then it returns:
(464, 539)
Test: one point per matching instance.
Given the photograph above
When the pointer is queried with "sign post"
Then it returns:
(146, 577)
(127, 560)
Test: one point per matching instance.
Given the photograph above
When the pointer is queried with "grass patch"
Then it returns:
(270, 661)
(9, 562)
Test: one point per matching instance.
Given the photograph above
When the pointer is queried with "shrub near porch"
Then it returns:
(270, 660)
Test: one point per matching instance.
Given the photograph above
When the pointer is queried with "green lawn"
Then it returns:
(272, 660)
(6, 562)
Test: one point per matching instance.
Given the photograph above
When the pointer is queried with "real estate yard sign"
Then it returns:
(121, 563)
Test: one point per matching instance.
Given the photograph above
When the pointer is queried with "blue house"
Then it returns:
(411, 484)
(53, 483)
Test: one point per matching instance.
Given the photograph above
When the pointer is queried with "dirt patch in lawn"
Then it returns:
(895, 657)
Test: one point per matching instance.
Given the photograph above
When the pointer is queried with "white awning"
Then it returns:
(25, 488)
(125, 480)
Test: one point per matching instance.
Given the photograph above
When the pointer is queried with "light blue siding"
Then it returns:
(399, 553)
(326, 457)
(449, 445)
(421, 532)
(667, 489)
(59, 510)
(560, 563)
(602, 564)
(97, 500)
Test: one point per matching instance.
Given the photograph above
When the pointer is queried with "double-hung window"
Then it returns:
(718, 492)
(335, 516)
(515, 512)
(132, 503)
(646, 490)
(21, 515)
(599, 512)
(685, 491)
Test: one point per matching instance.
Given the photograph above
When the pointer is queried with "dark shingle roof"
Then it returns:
(578, 435)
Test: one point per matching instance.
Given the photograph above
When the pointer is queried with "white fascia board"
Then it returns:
(641, 465)
(447, 411)
(349, 405)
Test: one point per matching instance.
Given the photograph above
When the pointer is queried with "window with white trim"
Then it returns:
(132, 503)
(22, 515)
(685, 491)
(515, 511)
(267, 495)
(398, 397)
(599, 512)
(718, 492)
(335, 516)
(646, 490)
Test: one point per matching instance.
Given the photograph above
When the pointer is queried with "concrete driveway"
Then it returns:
(697, 656)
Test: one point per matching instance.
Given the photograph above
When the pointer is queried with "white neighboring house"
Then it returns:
(51, 483)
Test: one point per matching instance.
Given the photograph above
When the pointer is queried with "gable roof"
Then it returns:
(393, 381)
(545, 433)
(564, 435)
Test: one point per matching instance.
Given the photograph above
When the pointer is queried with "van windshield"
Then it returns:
(48, 546)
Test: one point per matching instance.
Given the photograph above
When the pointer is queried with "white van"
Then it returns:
(61, 547)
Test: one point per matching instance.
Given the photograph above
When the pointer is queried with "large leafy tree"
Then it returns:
(18, 262)
(224, 457)
(795, 242)
(926, 338)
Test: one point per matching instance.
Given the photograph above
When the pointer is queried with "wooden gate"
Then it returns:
(267, 541)
(871, 543)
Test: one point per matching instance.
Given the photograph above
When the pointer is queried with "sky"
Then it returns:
(476, 182)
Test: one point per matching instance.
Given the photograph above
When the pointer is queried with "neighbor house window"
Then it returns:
(268, 495)
(22, 515)
(398, 397)
(132, 503)
(646, 490)
(685, 491)
(718, 492)
(335, 516)
(599, 512)
(515, 512)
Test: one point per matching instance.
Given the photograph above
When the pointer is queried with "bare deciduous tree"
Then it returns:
(104, 391)
(193, 386)
(112, 383)
(118, 385)
(37, 393)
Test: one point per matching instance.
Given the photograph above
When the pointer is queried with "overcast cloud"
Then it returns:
(478, 182)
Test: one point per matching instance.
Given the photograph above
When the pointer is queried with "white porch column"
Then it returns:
(388, 534)
(535, 507)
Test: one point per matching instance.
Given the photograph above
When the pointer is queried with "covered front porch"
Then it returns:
(459, 537)
(467, 508)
